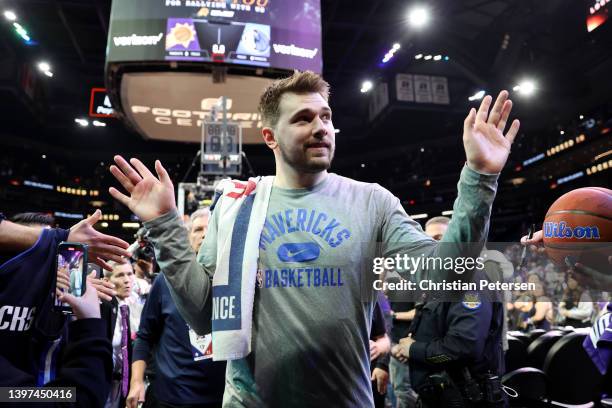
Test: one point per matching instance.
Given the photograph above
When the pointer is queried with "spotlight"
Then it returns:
(525, 88)
(418, 56)
(82, 122)
(10, 15)
(427, 57)
(366, 86)
(98, 123)
(22, 32)
(437, 58)
(44, 66)
(391, 53)
(477, 96)
(418, 17)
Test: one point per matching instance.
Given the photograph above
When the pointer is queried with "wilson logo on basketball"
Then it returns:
(562, 230)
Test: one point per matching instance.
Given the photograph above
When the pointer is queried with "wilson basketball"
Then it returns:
(579, 224)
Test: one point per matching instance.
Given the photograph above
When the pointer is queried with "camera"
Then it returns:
(145, 250)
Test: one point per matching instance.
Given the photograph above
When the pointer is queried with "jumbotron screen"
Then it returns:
(283, 34)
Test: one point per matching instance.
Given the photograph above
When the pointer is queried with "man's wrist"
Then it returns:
(407, 348)
(481, 170)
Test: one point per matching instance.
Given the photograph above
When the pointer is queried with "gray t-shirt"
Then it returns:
(313, 305)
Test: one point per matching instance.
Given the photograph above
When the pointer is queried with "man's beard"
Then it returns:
(302, 164)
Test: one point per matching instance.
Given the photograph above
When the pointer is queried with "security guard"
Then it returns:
(454, 349)
(455, 352)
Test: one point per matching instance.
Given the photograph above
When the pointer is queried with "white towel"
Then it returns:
(241, 220)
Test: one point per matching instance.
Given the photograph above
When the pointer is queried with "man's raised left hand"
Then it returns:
(486, 146)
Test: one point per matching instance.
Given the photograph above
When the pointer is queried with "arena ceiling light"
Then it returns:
(10, 15)
(130, 225)
(526, 87)
(418, 17)
(22, 32)
(418, 216)
(391, 53)
(477, 96)
(366, 86)
(82, 122)
(45, 68)
(98, 123)
(427, 57)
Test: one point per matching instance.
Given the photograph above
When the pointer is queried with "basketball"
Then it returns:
(579, 224)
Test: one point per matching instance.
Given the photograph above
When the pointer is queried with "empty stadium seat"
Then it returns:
(573, 378)
(529, 384)
(516, 355)
(535, 333)
(521, 336)
(538, 349)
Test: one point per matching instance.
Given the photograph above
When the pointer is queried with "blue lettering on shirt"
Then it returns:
(302, 277)
(293, 220)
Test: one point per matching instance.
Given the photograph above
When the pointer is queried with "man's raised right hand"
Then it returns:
(149, 196)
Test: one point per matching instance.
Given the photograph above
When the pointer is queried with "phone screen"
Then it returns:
(71, 272)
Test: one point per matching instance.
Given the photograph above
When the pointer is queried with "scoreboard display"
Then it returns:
(283, 34)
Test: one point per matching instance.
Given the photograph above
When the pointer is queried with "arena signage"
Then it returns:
(173, 105)
(99, 104)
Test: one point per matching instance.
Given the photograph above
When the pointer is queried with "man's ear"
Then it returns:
(269, 137)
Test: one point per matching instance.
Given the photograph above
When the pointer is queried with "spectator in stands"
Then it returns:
(380, 345)
(143, 269)
(143, 264)
(197, 227)
(116, 315)
(26, 279)
(536, 310)
(86, 361)
(576, 309)
(402, 314)
(199, 382)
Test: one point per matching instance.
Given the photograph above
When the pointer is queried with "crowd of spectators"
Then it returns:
(559, 298)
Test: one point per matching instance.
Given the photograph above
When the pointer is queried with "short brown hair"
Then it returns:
(299, 83)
